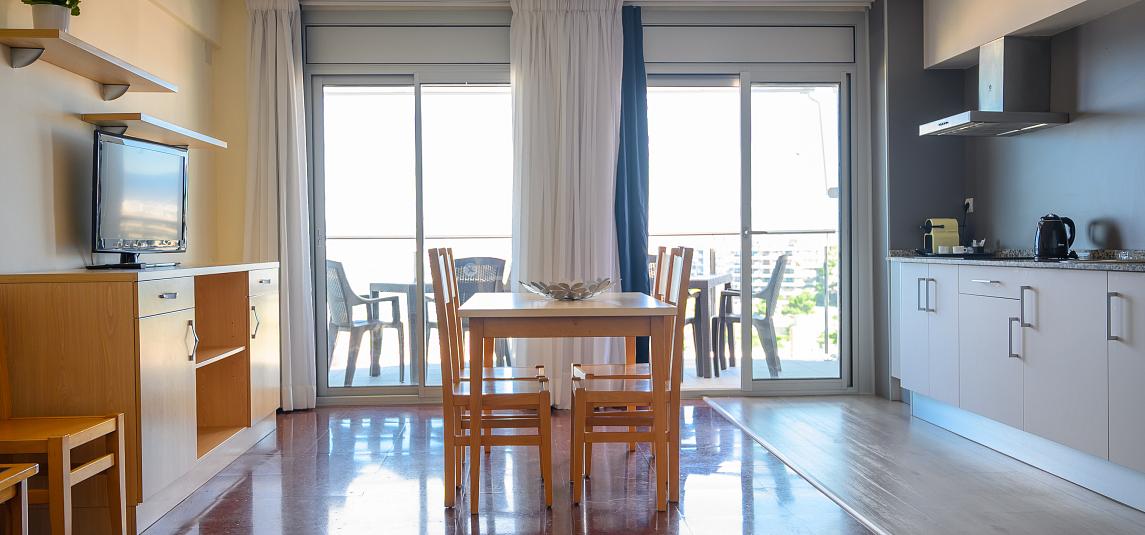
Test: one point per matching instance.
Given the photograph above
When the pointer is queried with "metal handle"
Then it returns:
(1022, 306)
(1109, 316)
(169, 295)
(1010, 344)
(985, 281)
(195, 334)
(265, 281)
(918, 295)
(928, 307)
(257, 321)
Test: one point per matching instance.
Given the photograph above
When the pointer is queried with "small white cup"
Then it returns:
(943, 249)
(959, 249)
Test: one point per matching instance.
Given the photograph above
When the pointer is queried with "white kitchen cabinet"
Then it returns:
(942, 330)
(1127, 369)
(1065, 358)
(990, 365)
(914, 343)
(928, 330)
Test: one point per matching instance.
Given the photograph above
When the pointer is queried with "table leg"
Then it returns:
(703, 323)
(476, 368)
(660, 357)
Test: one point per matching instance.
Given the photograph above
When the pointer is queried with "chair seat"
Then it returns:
(83, 428)
(598, 385)
(616, 371)
(504, 373)
(500, 388)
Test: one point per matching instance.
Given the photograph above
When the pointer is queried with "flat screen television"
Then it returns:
(139, 199)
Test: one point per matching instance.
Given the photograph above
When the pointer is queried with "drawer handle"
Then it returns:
(1109, 316)
(1010, 328)
(257, 321)
(985, 281)
(195, 335)
(1022, 306)
(918, 295)
(169, 295)
(265, 281)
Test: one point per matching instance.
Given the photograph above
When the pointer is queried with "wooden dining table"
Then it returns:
(521, 315)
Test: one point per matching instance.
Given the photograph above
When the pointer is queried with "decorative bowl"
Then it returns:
(568, 291)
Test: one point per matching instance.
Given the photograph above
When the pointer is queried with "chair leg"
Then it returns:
(17, 507)
(674, 453)
(450, 457)
(576, 460)
(401, 352)
(588, 456)
(544, 410)
(731, 344)
(376, 351)
(352, 358)
(116, 479)
(60, 485)
(766, 331)
(331, 339)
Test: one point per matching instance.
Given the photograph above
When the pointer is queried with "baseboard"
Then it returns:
(1112, 480)
(153, 508)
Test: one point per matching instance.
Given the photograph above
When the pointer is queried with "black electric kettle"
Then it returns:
(1052, 240)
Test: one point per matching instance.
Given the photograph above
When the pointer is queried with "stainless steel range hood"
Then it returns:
(1013, 92)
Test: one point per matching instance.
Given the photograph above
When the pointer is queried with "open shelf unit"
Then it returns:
(222, 363)
(65, 51)
(210, 355)
(144, 126)
(211, 437)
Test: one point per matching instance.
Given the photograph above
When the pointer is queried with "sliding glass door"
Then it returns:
(402, 164)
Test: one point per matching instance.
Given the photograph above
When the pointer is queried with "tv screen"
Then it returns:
(140, 198)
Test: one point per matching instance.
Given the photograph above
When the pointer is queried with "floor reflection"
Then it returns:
(379, 470)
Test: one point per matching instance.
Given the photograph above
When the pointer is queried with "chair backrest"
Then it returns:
(679, 274)
(660, 280)
(5, 388)
(449, 331)
(337, 288)
(770, 293)
(479, 274)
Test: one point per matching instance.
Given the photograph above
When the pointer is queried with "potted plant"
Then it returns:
(53, 14)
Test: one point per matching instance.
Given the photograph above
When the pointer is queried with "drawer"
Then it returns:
(263, 281)
(165, 295)
(990, 281)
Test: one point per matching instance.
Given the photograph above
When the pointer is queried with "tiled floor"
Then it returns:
(379, 469)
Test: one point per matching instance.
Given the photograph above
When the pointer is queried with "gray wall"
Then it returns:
(1090, 169)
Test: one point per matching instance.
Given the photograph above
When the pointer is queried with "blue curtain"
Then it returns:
(632, 167)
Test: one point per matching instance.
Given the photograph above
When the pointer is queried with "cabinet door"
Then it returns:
(166, 398)
(264, 356)
(912, 329)
(1127, 370)
(1066, 365)
(943, 333)
(989, 379)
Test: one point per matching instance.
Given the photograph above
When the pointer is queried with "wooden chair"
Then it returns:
(477, 274)
(516, 398)
(340, 301)
(14, 494)
(598, 390)
(55, 438)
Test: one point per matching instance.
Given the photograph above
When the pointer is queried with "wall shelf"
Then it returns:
(65, 51)
(210, 355)
(145, 126)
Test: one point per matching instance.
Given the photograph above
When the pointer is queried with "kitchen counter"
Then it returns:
(1020, 260)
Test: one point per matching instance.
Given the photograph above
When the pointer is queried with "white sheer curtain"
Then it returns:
(566, 58)
(278, 204)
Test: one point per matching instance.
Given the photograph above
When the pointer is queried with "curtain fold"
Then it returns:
(278, 204)
(565, 64)
(632, 167)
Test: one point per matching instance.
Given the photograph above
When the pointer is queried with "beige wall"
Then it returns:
(45, 150)
(229, 120)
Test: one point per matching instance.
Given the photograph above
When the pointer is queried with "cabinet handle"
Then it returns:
(1022, 306)
(195, 335)
(1010, 344)
(169, 295)
(265, 281)
(928, 307)
(985, 281)
(257, 321)
(918, 295)
(1109, 316)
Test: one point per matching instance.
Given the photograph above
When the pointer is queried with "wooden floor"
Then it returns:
(903, 475)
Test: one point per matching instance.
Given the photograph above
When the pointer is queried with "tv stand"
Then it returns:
(131, 261)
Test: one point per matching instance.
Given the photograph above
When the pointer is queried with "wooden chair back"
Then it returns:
(449, 332)
(660, 280)
(678, 276)
(5, 388)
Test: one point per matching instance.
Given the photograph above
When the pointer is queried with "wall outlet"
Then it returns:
(969, 205)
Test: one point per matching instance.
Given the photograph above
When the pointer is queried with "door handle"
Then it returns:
(195, 337)
(169, 295)
(1022, 306)
(264, 281)
(1109, 315)
(918, 295)
(257, 321)
(928, 307)
(1010, 328)
(985, 281)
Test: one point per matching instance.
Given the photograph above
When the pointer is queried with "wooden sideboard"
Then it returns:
(189, 355)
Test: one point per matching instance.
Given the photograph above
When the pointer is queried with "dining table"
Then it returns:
(523, 315)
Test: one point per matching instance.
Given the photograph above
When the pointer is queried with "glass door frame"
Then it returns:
(322, 76)
(843, 77)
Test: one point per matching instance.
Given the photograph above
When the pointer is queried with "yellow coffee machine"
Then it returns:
(940, 232)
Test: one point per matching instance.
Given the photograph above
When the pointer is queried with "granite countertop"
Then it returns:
(1102, 260)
